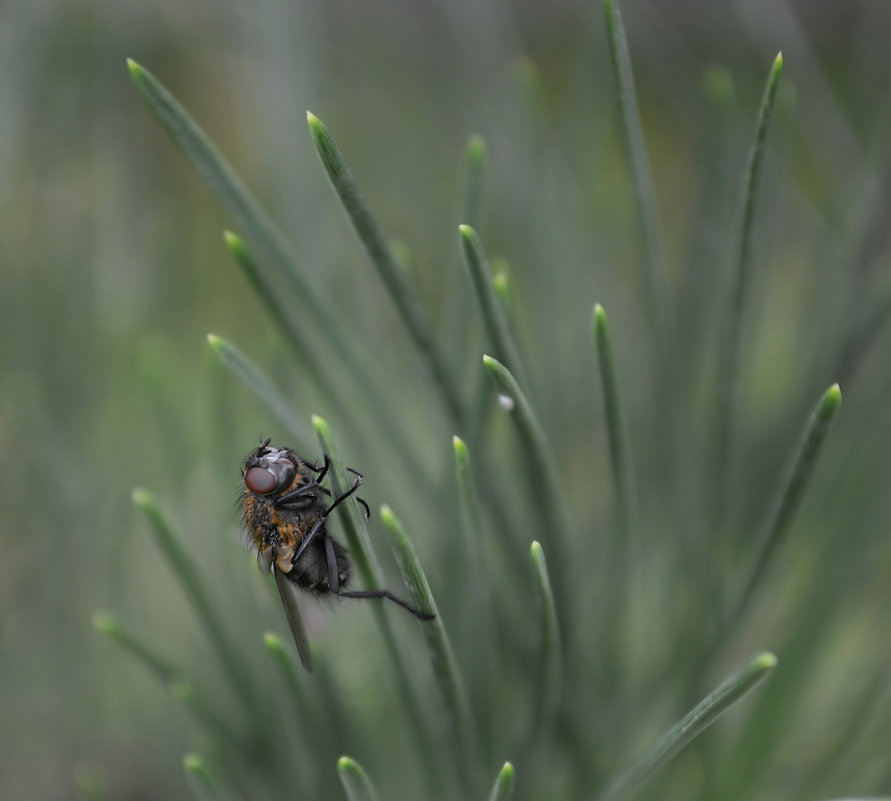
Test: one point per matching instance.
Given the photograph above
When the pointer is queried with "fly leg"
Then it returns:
(320, 523)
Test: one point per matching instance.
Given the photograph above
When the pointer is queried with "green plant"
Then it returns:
(548, 668)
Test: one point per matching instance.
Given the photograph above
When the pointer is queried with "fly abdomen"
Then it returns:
(310, 571)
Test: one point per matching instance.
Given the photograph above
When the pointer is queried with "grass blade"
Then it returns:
(308, 700)
(413, 313)
(230, 190)
(696, 721)
(504, 784)
(291, 678)
(188, 695)
(420, 589)
(199, 777)
(551, 660)
(355, 781)
(552, 509)
(791, 492)
(477, 602)
(359, 543)
(614, 426)
(303, 350)
(460, 304)
(501, 283)
(313, 367)
(469, 500)
(728, 363)
(257, 382)
(110, 626)
(642, 179)
(445, 667)
(372, 577)
(619, 555)
(491, 308)
(187, 573)
(251, 219)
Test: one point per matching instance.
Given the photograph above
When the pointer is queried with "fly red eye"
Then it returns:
(259, 481)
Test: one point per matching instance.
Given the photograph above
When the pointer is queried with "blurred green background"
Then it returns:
(113, 271)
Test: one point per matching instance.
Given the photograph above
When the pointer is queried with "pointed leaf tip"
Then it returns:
(504, 784)
(387, 516)
(105, 622)
(830, 402)
(193, 763)
(316, 126)
(142, 497)
(232, 240)
(776, 70)
(476, 147)
(765, 661)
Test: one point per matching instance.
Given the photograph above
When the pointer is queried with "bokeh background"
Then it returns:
(113, 271)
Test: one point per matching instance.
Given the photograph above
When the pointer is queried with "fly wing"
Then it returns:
(287, 592)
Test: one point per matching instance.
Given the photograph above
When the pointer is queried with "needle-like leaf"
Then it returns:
(490, 307)
(355, 781)
(236, 198)
(551, 506)
(692, 725)
(167, 675)
(377, 245)
(187, 573)
(614, 427)
(642, 180)
(790, 493)
(372, 576)
(256, 381)
(550, 677)
(445, 667)
(728, 362)
(503, 789)
(200, 778)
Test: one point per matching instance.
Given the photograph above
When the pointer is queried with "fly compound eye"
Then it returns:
(260, 481)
